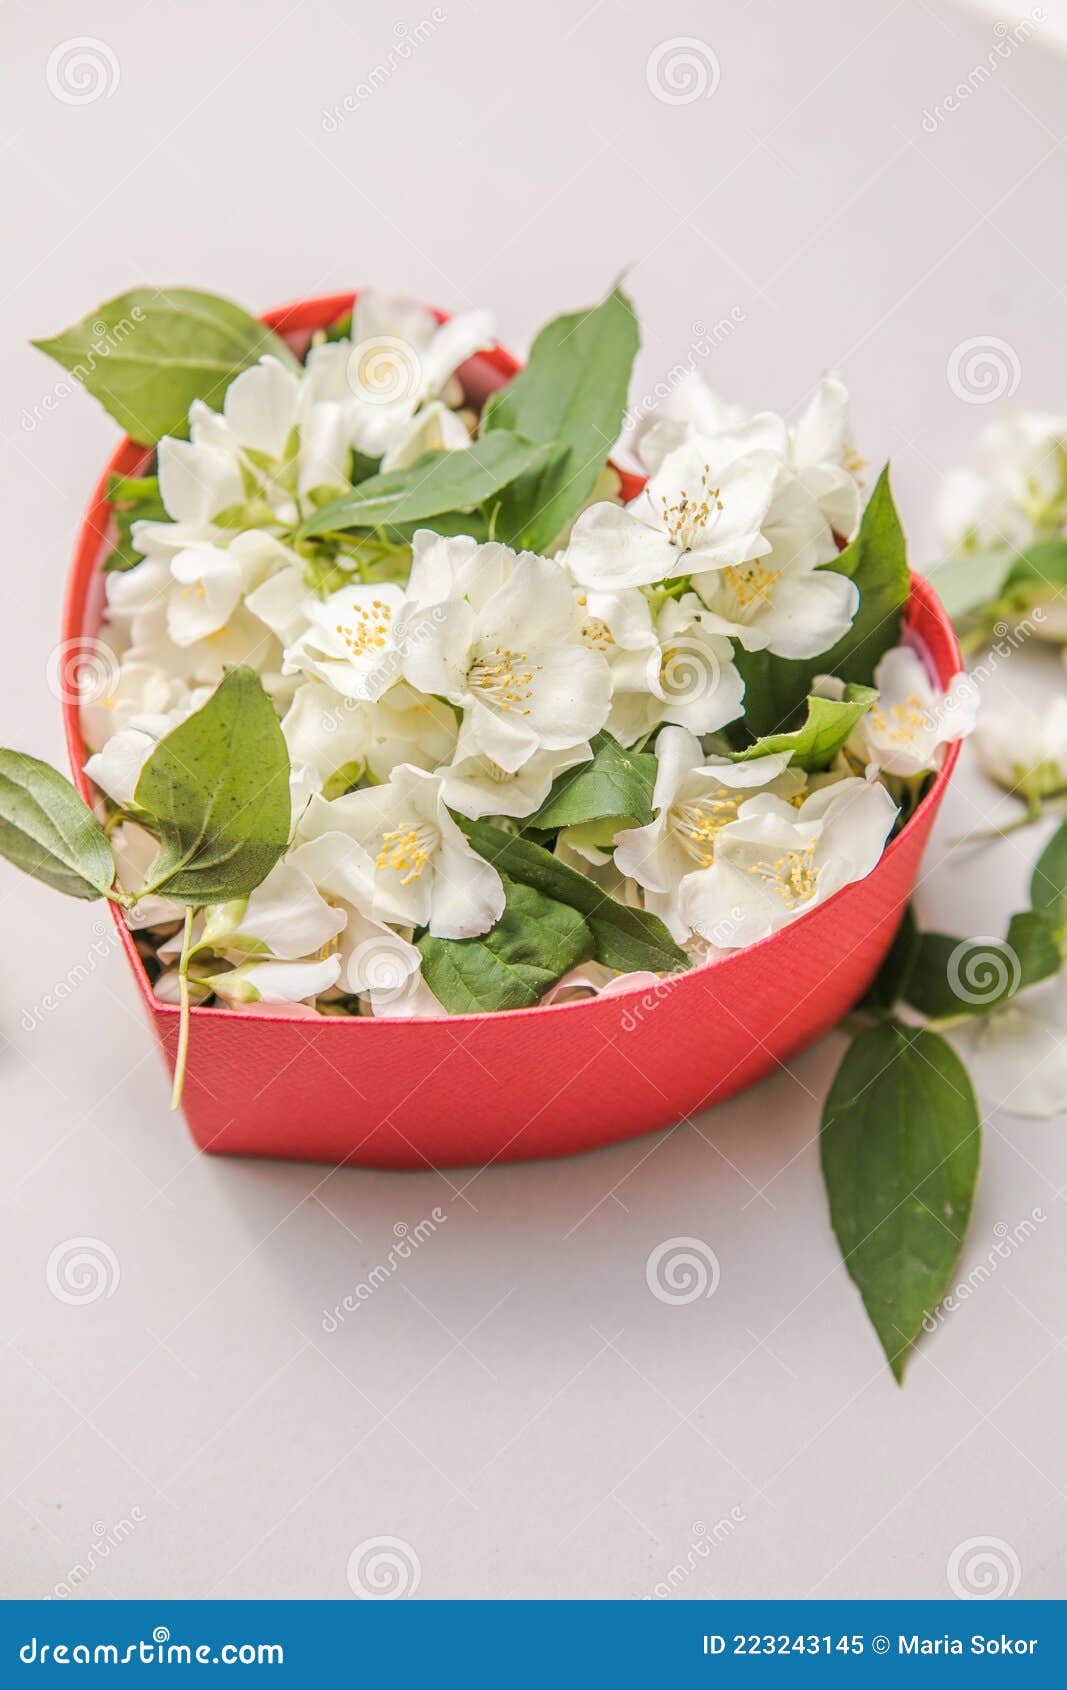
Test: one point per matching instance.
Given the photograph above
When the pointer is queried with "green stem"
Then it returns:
(942, 1022)
(183, 1023)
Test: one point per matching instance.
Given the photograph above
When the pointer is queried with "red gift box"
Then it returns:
(446, 1090)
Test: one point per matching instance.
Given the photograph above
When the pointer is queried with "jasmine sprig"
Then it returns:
(214, 793)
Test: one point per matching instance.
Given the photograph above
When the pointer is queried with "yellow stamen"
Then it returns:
(368, 631)
(687, 519)
(751, 584)
(407, 849)
(901, 724)
(793, 876)
(500, 675)
(696, 822)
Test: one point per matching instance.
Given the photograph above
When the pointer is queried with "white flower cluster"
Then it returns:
(458, 678)
(1016, 498)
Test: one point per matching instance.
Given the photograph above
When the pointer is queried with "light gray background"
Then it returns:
(514, 1404)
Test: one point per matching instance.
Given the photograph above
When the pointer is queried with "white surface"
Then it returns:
(514, 1403)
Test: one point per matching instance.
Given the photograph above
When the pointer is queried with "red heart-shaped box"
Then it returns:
(447, 1090)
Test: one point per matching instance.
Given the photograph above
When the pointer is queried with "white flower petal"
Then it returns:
(261, 407)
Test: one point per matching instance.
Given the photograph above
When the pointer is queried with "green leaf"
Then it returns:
(615, 783)
(829, 723)
(890, 984)
(953, 976)
(876, 560)
(533, 944)
(900, 1150)
(134, 498)
(978, 589)
(437, 483)
(1040, 569)
(1033, 939)
(1048, 884)
(968, 583)
(215, 791)
(625, 939)
(132, 489)
(48, 831)
(149, 353)
(571, 397)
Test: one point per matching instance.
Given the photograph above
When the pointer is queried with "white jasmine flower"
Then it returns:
(690, 408)
(906, 730)
(696, 513)
(694, 799)
(446, 567)
(210, 583)
(512, 658)
(420, 868)
(666, 666)
(285, 918)
(775, 862)
(1018, 494)
(822, 452)
(200, 589)
(409, 727)
(415, 1002)
(328, 737)
(376, 960)
(139, 604)
(476, 786)
(433, 429)
(135, 689)
(818, 452)
(336, 742)
(350, 641)
(783, 601)
(274, 982)
(254, 465)
(1017, 1055)
(593, 980)
(1023, 750)
(116, 768)
(283, 599)
(399, 357)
